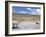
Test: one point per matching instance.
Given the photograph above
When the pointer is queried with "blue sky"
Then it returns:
(26, 10)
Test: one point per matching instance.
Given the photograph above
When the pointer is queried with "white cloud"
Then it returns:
(38, 10)
(35, 13)
(28, 8)
(22, 12)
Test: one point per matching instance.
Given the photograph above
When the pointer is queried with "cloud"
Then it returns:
(22, 12)
(38, 10)
(28, 8)
(33, 11)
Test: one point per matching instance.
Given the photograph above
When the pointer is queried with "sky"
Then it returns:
(26, 10)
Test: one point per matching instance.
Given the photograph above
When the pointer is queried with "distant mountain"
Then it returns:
(14, 13)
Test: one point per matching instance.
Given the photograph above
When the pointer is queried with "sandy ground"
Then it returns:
(28, 27)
